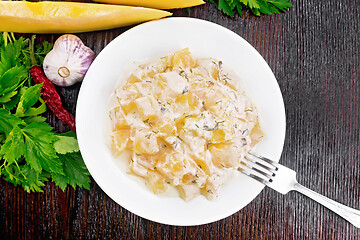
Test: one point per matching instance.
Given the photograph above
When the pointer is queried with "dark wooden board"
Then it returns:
(314, 52)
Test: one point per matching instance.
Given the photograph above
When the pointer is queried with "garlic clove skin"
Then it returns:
(68, 61)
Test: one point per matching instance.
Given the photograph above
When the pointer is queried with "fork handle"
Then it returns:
(350, 214)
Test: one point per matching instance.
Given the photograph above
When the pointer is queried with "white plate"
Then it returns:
(159, 38)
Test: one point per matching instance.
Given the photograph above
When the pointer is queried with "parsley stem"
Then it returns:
(31, 48)
(20, 169)
(5, 37)
(2, 165)
(11, 175)
(13, 37)
(32, 54)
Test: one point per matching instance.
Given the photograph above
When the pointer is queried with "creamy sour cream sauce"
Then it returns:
(183, 123)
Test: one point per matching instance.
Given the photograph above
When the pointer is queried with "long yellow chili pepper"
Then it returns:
(159, 4)
(70, 17)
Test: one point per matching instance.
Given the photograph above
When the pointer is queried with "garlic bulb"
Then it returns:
(68, 61)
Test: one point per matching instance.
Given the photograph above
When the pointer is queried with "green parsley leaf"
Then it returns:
(66, 145)
(281, 4)
(256, 6)
(8, 121)
(12, 174)
(11, 54)
(23, 175)
(14, 146)
(28, 98)
(238, 6)
(33, 181)
(11, 78)
(30, 120)
(40, 154)
(36, 111)
(40, 53)
(2, 139)
(224, 6)
(76, 173)
(68, 134)
(13, 102)
(42, 50)
(251, 3)
(7, 96)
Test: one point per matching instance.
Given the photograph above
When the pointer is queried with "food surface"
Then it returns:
(185, 123)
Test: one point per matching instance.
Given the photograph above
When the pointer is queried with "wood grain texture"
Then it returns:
(314, 52)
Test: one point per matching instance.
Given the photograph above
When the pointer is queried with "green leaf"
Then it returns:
(66, 145)
(33, 181)
(12, 174)
(256, 6)
(13, 102)
(2, 138)
(40, 154)
(267, 8)
(238, 6)
(36, 111)
(68, 134)
(14, 146)
(7, 96)
(11, 78)
(251, 3)
(29, 120)
(11, 53)
(224, 6)
(281, 4)
(42, 50)
(29, 97)
(8, 121)
(29, 179)
(60, 180)
(76, 173)
(255, 11)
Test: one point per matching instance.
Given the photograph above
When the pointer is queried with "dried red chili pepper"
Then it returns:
(51, 97)
(49, 93)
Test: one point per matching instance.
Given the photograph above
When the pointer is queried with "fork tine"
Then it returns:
(252, 166)
(259, 179)
(271, 162)
(271, 170)
(258, 170)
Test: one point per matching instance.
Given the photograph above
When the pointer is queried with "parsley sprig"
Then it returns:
(31, 153)
(258, 7)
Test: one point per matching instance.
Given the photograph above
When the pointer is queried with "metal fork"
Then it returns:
(283, 180)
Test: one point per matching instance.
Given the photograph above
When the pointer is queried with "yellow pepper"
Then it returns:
(159, 4)
(70, 17)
